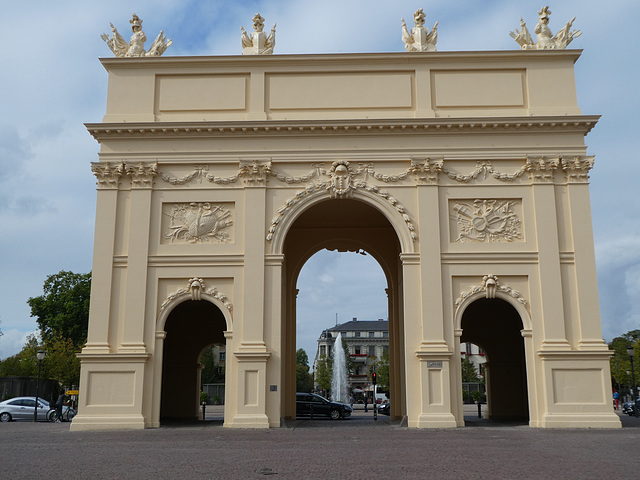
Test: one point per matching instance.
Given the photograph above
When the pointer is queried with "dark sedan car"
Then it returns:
(384, 409)
(308, 404)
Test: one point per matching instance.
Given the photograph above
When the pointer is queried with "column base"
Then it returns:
(434, 420)
(248, 421)
(88, 423)
(580, 420)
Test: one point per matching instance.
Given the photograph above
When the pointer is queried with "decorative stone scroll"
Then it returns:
(198, 222)
(490, 286)
(546, 40)
(420, 39)
(194, 289)
(135, 47)
(486, 221)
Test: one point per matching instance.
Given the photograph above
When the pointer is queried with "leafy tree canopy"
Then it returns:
(469, 372)
(63, 309)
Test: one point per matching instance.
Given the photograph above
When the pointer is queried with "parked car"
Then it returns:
(308, 404)
(22, 408)
(385, 409)
(627, 407)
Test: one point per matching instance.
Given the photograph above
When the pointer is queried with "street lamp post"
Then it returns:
(40, 356)
(630, 352)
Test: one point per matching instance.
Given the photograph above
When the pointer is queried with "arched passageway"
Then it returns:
(496, 326)
(344, 225)
(190, 328)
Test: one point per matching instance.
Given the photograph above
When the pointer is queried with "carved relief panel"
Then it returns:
(486, 220)
(197, 222)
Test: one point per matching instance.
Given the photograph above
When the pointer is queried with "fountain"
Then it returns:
(339, 389)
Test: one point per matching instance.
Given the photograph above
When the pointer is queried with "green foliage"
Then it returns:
(382, 372)
(23, 363)
(63, 309)
(469, 372)
(204, 398)
(304, 379)
(323, 373)
(621, 363)
(211, 372)
(60, 363)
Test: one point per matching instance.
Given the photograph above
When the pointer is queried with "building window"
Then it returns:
(223, 356)
(372, 334)
(357, 334)
(385, 334)
(357, 350)
(385, 349)
(323, 351)
(372, 350)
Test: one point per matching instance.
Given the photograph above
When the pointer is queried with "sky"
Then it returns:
(52, 83)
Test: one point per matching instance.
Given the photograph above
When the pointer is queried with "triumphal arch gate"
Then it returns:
(464, 174)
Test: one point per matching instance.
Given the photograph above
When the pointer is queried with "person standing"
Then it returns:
(59, 404)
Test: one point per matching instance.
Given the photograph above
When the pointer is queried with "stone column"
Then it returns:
(135, 287)
(108, 176)
(551, 305)
(590, 331)
(251, 353)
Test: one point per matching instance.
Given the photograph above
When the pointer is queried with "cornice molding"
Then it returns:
(421, 126)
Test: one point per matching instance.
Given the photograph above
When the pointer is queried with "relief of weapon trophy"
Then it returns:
(135, 47)
(546, 40)
(420, 39)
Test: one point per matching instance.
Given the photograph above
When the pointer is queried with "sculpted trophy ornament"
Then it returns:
(546, 40)
(420, 39)
(258, 43)
(135, 47)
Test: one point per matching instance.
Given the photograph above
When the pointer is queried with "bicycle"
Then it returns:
(67, 414)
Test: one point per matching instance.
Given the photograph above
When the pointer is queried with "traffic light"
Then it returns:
(374, 377)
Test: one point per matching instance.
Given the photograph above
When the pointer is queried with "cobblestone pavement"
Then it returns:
(355, 448)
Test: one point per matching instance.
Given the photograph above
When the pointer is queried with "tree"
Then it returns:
(469, 372)
(382, 372)
(304, 380)
(324, 370)
(60, 363)
(620, 362)
(212, 372)
(63, 310)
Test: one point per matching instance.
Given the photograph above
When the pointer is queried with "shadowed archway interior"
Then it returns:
(190, 327)
(495, 325)
(344, 225)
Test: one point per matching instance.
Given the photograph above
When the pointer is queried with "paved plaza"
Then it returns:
(356, 448)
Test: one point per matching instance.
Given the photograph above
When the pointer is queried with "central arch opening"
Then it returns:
(344, 225)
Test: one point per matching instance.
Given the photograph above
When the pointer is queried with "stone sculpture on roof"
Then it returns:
(258, 43)
(420, 39)
(135, 47)
(546, 40)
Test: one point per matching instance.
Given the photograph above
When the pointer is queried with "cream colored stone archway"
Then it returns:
(471, 163)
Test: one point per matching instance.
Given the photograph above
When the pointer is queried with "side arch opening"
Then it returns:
(190, 328)
(496, 326)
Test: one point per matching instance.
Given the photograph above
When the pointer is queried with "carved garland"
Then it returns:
(341, 184)
(490, 286)
(195, 288)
